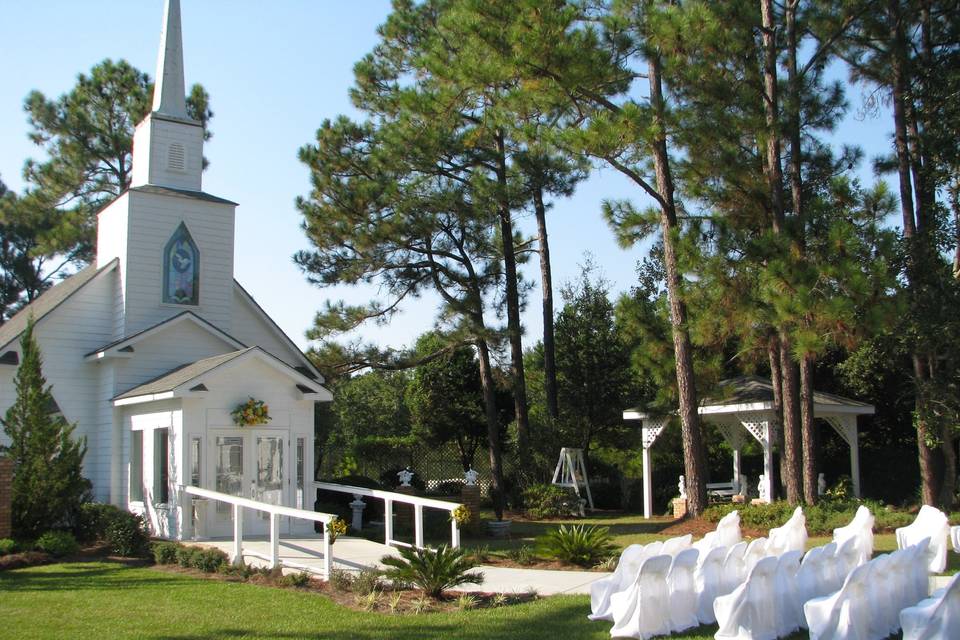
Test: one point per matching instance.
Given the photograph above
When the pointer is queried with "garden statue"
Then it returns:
(682, 488)
(821, 485)
(405, 476)
(470, 477)
(762, 488)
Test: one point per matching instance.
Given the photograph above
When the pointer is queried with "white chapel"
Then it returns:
(151, 348)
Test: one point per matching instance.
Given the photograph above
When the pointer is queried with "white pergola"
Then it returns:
(746, 407)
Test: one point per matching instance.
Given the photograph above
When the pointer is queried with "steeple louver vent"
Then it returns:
(177, 157)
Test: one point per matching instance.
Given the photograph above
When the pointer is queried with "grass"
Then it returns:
(108, 600)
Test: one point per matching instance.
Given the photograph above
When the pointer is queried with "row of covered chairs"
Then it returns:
(868, 604)
(935, 617)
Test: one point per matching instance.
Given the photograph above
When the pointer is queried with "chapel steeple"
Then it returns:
(169, 97)
(168, 144)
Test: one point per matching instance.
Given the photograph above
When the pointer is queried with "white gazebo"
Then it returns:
(746, 406)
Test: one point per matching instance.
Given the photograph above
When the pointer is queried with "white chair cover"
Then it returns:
(929, 523)
(847, 558)
(627, 569)
(709, 579)
(843, 615)
(733, 568)
(756, 550)
(885, 594)
(955, 538)
(792, 536)
(683, 591)
(788, 605)
(935, 617)
(726, 534)
(808, 580)
(749, 613)
(861, 530)
(917, 566)
(673, 546)
(829, 578)
(641, 611)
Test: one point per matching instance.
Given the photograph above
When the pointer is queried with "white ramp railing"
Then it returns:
(389, 498)
(275, 512)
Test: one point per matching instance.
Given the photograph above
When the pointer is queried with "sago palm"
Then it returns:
(434, 571)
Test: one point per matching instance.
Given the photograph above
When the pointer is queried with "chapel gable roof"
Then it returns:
(49, 301)
(126, 344)
(187, 375)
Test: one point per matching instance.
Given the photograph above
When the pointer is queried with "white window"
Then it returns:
(161, 473)
(300, 442)
(136, 466)
(195, 461)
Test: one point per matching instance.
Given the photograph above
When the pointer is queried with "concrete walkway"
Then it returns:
(354, 554)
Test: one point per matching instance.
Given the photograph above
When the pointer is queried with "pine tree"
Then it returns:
(48, 484)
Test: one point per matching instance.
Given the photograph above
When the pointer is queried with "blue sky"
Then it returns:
(275, 71)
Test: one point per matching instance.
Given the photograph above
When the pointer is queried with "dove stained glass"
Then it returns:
(181, 269)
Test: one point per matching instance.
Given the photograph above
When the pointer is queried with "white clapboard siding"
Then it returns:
(251, 328)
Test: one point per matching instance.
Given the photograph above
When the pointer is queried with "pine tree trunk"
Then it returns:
(493, 426)
(791, 423)
(776, 381)
(694, 456)
(808, 431)
(514, 328)
(546, 284)
(898, 70)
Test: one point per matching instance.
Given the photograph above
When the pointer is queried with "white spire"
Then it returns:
(168, 92)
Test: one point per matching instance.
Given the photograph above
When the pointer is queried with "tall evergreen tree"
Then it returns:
(48, 484)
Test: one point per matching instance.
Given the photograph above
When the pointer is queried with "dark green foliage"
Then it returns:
(543, 501)
(127, 535)
(57, 543)
(433, 571)
(94, 520)
(446, 399)
(297, 580)
(340, 579)
(185, 555)
(208, 560)
(822, 518)
(48, 485)
(583, 545)
(7, 546)
(165, 552)
(522, 555)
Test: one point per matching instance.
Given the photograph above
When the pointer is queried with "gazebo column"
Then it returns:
(736, 469)
(651, 431)
(759, 426)
(647, 483)
(846, 427)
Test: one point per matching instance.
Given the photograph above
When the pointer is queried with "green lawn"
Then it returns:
(105, 600)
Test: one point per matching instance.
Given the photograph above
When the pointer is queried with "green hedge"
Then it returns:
(822, 518)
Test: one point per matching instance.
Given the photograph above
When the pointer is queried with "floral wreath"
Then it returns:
(251, 412)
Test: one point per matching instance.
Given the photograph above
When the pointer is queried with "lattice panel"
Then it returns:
(730, 431)
(652, 428)
(843, 427)
(756, 425)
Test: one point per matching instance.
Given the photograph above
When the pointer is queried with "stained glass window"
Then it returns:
(181, 269)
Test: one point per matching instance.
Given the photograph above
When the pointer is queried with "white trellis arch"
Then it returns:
(746, 407)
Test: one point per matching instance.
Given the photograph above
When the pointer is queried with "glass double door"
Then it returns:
(252, 463)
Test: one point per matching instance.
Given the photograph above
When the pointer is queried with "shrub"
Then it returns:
(7, 546)
(522, 555)
(340, 579)
(295, 580)
(208, 560)
(550, 501)
(58, 543)
(165, 552)
(127, 535)
(822, 518)
(581, 545)
(367, 581)
(432, 571)
(94, 519)
(185, 555)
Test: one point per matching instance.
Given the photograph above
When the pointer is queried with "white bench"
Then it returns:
(724, 490)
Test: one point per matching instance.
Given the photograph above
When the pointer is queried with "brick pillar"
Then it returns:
(679, 508)
(6, 496)
(470, 497)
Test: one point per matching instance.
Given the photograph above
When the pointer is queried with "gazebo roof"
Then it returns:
(753, 393)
